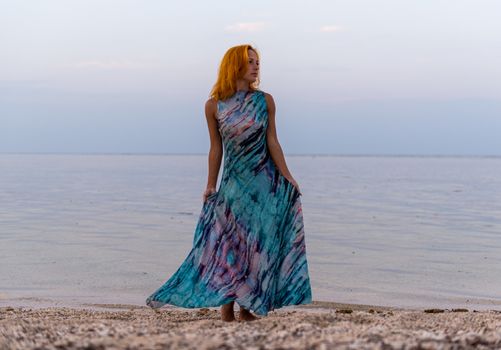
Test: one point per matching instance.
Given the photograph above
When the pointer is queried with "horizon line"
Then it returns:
(410, 155)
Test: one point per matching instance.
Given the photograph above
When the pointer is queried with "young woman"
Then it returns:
(249, 244)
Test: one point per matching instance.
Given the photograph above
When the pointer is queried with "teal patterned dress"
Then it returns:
(249, 242)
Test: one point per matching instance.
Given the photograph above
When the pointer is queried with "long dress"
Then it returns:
(249, 242)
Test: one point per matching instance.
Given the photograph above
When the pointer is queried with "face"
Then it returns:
(252, 68)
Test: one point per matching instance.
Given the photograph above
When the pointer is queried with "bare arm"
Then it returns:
(216, 147)
(274, 147)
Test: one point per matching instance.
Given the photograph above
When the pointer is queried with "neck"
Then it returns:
(242, 85)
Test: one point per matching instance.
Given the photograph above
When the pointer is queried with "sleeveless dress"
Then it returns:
(249, 242)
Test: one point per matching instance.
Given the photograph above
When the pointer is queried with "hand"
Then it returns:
(208, 192)
(294, 183)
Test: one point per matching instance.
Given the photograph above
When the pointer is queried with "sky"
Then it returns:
(387, 77)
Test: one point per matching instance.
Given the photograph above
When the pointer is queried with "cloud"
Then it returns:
(107, 65)
(331, 29)
(245, 27)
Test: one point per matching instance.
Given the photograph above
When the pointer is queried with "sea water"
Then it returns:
(383, 230)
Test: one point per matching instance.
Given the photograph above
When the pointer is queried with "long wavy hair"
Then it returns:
(233, 66)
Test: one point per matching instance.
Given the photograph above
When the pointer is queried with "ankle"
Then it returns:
(229, 306)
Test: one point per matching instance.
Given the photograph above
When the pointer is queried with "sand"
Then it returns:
(315, 326)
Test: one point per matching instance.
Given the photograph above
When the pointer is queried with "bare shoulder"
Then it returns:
(269, 101)
(211, 107)
(211, 103)
(268, 96)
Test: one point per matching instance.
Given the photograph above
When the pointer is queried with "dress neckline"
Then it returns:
(242, 93)
(245, 92)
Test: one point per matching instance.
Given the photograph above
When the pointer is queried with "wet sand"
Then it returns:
(321, 325)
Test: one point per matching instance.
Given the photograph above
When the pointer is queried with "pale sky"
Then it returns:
(348, 77)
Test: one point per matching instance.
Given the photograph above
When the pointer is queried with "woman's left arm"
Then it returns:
(274, 147)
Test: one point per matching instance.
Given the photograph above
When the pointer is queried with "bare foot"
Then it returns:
(227, 313)
(245, 315)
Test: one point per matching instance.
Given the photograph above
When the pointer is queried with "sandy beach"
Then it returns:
(321, 325)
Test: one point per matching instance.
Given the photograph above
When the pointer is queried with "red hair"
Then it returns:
(233, 66)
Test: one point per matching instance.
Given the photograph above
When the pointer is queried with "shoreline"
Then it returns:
(86, 303)
(320, 325)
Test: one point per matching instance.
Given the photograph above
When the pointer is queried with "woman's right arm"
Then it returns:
(216, 147)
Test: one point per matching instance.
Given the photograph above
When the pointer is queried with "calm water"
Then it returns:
(403, 231)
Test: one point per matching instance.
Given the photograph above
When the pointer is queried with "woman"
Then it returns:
(249, 242)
